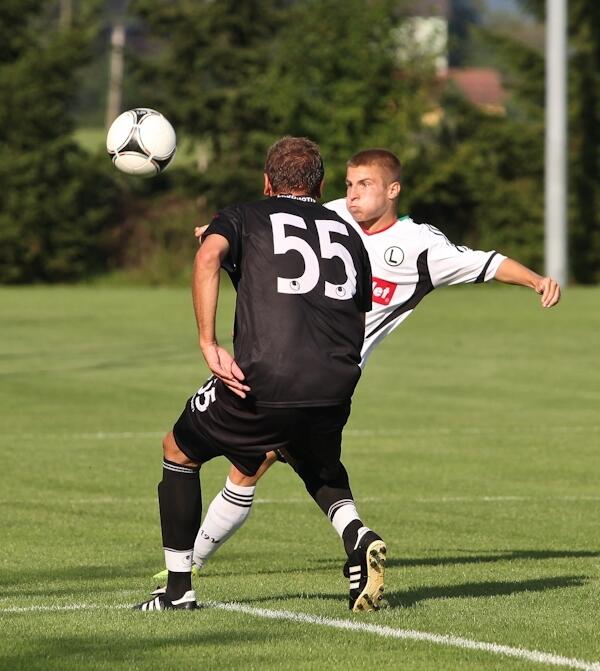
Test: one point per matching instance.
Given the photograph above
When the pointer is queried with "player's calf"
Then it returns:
(179, 502)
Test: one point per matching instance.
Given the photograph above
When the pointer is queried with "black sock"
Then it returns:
(180, 512)
(330, 488)
(327, 486)
(178, 584)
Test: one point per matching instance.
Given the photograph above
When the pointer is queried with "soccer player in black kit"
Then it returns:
(303, 282)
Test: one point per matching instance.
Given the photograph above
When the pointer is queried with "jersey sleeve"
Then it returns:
(455, 264)
(228, 223)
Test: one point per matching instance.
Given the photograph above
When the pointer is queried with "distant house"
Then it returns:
(424, 35)
(482, 87)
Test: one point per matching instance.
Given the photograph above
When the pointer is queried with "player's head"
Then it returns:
(373, 185)
(294, 165)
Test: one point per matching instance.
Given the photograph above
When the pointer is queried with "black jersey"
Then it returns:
(303, 282)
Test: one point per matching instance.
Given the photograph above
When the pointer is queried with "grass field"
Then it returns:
(473, 449)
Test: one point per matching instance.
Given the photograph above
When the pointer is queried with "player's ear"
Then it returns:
(319, 190)
(394, 190)
(267, 188)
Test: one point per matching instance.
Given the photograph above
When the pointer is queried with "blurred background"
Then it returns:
(454, 87)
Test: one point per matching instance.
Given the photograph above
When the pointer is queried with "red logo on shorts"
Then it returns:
(383, 291)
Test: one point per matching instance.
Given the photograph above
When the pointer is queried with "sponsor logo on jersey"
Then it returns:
(393, 256)
(383, 291)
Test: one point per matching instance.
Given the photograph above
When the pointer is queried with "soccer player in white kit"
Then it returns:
(408, 261)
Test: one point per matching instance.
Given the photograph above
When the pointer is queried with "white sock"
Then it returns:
(226, 514)
(179, 561)
(341, 514)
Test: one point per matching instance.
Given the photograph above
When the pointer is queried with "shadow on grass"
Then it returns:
(481, 589)
(43, 580)
(510, 555)
(409, 598)
(93, 652)
(39, 582)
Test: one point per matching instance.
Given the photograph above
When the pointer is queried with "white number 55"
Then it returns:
(309, 279)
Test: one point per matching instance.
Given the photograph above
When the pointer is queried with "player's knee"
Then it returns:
(239, 478)
(171, 451)
(270, 459)
(334, 475)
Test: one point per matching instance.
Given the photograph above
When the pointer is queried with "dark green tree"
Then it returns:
(477, 177)
(55, 204)
(584, 130)
(335, 76)
(464, 15)
(239, 75)
(205, 76)
(525, 68)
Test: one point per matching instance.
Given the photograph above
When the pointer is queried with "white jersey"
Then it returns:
(408, 261)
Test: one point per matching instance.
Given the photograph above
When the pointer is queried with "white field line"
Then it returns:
(413, 635)
(435, 430)
(537, 656)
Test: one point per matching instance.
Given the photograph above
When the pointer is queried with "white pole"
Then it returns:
(556, 264)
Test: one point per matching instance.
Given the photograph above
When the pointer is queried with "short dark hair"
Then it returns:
(295, 164)
(381, 157)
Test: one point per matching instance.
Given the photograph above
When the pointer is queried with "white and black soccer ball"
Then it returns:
(141, 141)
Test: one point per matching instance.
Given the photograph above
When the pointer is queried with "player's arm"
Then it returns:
(513, 272)
(205, 293)
(452, 264)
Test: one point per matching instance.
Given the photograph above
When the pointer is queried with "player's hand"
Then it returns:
(549, 290)
(224, 366)
(198, 232)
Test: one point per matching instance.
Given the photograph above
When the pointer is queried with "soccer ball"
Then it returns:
(141, 142)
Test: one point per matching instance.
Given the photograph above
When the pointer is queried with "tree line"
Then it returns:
(233, 77)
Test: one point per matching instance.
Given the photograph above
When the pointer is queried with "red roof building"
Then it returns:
(481, 86)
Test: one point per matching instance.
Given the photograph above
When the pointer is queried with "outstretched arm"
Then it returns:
(205, 292)
(513, 272)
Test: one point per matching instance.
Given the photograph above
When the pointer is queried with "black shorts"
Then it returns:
(216, 422)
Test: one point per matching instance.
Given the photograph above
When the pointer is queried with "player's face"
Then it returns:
(370, 193)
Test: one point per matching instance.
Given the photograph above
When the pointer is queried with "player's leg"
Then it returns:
(228, 510)
(326, 480)
(180, 510)
(330, 489)
(365, 549)
(216, 423)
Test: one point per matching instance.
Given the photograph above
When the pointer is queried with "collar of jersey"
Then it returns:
(306, 199)
(386, 228)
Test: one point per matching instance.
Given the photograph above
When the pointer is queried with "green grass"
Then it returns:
(473, 449)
